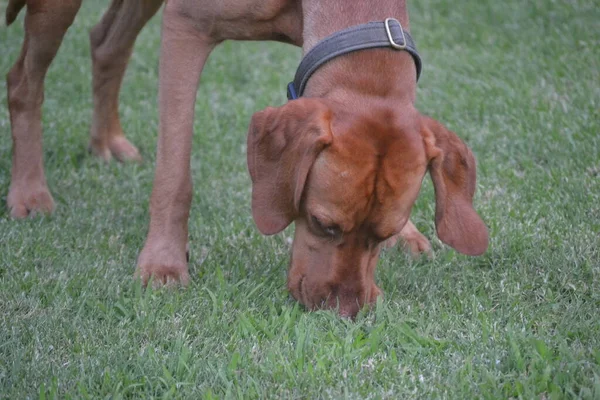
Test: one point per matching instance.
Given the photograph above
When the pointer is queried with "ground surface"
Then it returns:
(519, 81)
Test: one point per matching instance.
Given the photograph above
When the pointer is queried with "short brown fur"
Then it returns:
(344, 164)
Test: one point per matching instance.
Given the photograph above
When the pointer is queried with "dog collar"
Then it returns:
(388, 33)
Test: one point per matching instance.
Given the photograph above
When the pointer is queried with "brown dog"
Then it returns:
(345, 163)
(112, 41)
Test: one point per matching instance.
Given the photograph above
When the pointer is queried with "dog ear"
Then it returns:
(283, 143)
(453, 172)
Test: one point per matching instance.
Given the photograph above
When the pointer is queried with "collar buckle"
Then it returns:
(376, 34)
(388, 30)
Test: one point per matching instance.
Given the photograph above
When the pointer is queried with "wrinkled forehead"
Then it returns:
(341, 185)
(354, 181)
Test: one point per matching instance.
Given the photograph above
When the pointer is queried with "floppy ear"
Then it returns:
(283, 143)
(453, 172)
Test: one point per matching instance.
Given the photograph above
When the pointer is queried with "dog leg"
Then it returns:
(184, 51)
(112, 41)
(412, 240)
(45, 27)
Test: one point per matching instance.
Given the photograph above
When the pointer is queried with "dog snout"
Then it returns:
(347, 299)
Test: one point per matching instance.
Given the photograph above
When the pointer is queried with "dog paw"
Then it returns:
(118, 147)
(163, 266)
(100, 151)
(123, 150)
(413, 241)
(29, 200)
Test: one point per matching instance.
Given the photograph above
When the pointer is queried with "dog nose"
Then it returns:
(348, 301)
(349, 310)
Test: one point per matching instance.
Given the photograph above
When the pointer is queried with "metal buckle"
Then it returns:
(389, 34)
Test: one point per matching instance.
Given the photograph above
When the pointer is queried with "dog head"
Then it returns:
(348, 181)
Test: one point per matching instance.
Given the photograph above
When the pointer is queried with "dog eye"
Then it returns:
(332, 230)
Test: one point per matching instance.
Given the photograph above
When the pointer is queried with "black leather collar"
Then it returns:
(388, 33)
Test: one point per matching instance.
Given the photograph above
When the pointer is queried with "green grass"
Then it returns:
(519, 81)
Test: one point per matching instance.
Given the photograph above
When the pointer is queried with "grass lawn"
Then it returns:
(519, 81)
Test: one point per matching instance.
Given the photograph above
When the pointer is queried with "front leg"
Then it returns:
(184, 51)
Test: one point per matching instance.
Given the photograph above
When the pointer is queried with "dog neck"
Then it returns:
(322, 18)
(383, 74)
